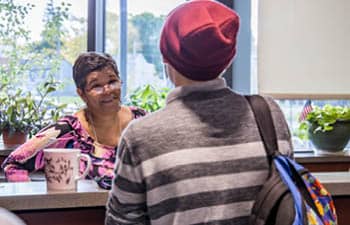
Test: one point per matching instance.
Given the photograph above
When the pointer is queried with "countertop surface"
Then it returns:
(34, 195)
(322, 157)
(337, 183)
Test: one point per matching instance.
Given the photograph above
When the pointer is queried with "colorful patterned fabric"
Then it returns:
(322, 200)
(320, 210)
(66, 133)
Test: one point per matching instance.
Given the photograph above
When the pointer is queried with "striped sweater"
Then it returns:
(200, 160)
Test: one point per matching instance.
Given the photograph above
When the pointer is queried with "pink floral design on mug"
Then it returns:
(62, 168)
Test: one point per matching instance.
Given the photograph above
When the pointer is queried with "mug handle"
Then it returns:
(87, 157)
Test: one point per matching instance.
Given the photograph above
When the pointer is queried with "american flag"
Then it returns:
(306, 110)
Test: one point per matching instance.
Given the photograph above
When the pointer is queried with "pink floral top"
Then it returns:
(66, 133)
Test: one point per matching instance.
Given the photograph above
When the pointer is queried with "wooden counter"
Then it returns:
(33, 195)
(86, 206)
(321, 162)
(37, 206)
(338, 183)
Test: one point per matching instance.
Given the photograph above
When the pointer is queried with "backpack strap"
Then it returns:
(263, 117)
(262, 207)
(266, 209)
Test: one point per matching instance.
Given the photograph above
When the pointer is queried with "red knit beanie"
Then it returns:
(199, 39)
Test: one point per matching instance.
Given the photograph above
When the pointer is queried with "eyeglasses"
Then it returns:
(99, 89)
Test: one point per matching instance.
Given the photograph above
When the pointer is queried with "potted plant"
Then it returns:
(22, 113)
(328, 128)
(26, 112)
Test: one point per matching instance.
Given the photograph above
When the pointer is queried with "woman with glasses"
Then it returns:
(95, 130)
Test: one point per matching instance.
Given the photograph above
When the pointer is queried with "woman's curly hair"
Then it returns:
(88, 62)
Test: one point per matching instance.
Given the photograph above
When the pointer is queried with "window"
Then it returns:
(132, 37)
(51, 33)
(56, 31)
(292, 107)
(45, 37)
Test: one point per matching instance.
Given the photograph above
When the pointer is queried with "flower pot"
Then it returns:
(331, 141)
(13, 139)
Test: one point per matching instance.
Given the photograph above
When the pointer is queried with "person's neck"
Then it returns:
(187, 82)
(104, 119)
(181, 80)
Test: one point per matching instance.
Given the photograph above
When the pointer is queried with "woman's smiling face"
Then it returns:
(102, 90)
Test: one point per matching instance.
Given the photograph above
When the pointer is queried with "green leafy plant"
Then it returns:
(324, 118)
(149, 97)
(21, 111)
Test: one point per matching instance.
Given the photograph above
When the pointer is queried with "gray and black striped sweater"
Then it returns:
(200, 160)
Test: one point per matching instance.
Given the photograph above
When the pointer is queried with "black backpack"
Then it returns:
(291, 195)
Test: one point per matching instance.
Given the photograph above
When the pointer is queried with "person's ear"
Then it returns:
(171, 73)
(165, 70)
(81, 94)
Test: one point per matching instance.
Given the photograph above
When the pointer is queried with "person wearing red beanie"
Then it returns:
(200, 159)
(199, 39)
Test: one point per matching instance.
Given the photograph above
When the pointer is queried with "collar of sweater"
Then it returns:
(212, 85)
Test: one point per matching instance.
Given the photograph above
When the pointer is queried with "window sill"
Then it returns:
(315, 157)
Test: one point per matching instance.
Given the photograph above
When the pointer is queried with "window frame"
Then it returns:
(233, 75)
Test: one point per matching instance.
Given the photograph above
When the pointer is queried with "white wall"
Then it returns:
(304, 48)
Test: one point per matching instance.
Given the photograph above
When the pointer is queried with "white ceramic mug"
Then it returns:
(62, 168)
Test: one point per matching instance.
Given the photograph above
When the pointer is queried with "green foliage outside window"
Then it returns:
(30, 109)
(149, 26)
(149, 98)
